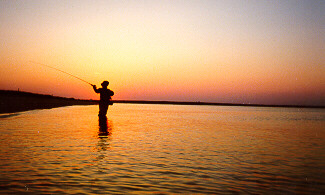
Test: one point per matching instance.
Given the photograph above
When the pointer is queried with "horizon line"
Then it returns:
(172, 102)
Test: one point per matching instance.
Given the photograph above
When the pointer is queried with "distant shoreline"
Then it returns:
(18, 101)
(210, 104)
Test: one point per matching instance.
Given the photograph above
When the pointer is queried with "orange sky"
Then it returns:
(269, 52)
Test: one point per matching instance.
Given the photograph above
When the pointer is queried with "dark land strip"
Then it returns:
(17, 101)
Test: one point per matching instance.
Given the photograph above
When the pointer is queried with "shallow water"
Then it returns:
(163, 149)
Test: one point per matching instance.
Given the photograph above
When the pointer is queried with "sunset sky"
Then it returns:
(245, 51)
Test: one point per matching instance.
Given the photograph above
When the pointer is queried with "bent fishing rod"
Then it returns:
(61, 71)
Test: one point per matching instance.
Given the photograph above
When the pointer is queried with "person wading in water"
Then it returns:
(105, 98)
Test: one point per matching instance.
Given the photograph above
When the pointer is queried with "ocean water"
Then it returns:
(163, 149)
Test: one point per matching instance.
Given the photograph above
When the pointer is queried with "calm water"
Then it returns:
(163, 149)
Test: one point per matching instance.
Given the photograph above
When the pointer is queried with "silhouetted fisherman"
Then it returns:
(105, 98)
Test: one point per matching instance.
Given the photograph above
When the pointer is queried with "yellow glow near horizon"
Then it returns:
(212, 51)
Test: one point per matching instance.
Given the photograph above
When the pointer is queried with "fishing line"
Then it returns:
(62, 72)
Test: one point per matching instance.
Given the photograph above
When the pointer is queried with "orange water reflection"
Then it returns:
(104, 135)
(163, 149)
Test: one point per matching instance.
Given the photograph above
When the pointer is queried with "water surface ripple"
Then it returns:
(163, 149)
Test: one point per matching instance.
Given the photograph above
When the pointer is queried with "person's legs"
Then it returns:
(103, 109)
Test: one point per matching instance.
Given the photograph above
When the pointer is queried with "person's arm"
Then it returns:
(95, 89)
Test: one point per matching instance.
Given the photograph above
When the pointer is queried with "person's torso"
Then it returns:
(105, 94)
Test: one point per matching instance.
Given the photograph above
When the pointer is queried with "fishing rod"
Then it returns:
(61, 71)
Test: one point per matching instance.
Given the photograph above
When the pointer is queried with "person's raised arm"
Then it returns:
(95, 89)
